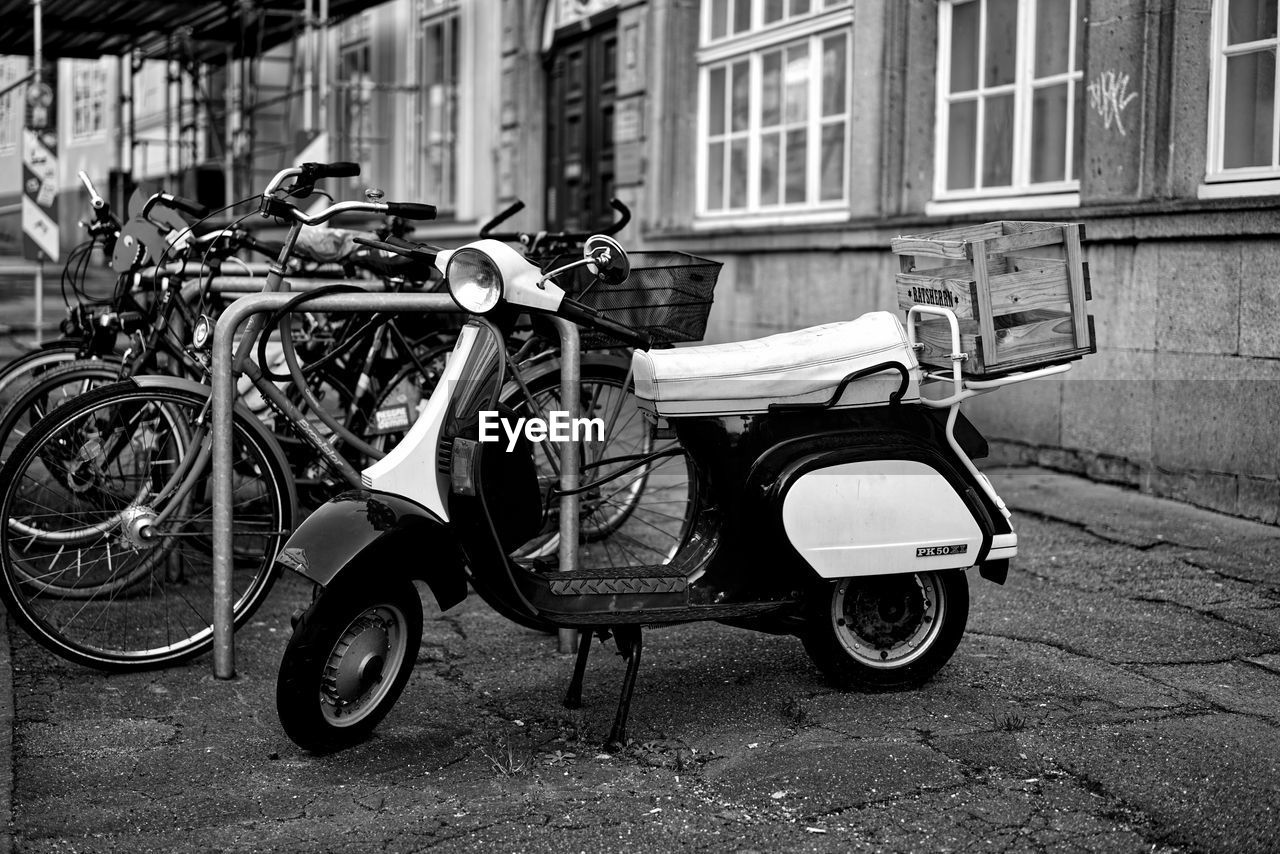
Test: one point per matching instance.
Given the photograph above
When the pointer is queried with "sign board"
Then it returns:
(40, 194)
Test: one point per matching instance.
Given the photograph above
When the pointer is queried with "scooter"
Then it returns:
(833, 502)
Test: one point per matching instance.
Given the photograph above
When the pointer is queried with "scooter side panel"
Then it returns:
(371, 533)
(879, 517)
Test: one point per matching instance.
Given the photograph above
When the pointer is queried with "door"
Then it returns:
(581, 89)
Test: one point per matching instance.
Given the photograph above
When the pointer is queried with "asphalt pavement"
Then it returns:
(1120, 693)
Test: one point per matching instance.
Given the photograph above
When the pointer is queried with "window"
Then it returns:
(355, 89)
(1010, 98)
(88, 99)
(1243, 118)
(11, 69)
(773, 130)
(438, 105)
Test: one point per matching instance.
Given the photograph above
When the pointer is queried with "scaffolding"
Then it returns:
(246, 83)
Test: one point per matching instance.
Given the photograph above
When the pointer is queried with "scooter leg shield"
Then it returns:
(367, 531)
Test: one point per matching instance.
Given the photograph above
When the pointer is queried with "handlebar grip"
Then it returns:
(95, 199)
(411, 210)
(340, 169)
(189, 206)
(571, 309)
(622, 222)
(511, 211)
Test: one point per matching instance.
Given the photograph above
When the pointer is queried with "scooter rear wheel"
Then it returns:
(348, 661)
(885, 632)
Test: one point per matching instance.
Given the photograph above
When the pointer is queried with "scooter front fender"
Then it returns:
(371, 534)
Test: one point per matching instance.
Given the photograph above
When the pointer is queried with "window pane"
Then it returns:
(716, 87)
(962, 144)
(1251, 20)
(771, 89)
(799, 7)
(741, 95)
(770, 152)
(834, 68)
(1053, 29)
(832, 185)
(1250, 104)
(772, 11)
(1049, 134)
(1002, 41)
(964, 47)
(997, 142)
(719, 18)
(738, 174)
(797, 82)
(741, 15)
(797, 160)
(715, 176)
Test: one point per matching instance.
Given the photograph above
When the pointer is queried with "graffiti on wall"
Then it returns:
(1109, 95)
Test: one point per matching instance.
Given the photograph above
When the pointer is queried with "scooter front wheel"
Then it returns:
(348, 661)
(884, 632)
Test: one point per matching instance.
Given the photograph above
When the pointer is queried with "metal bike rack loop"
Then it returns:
(222, 431)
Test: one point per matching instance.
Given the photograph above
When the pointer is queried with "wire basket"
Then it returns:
(667, 295)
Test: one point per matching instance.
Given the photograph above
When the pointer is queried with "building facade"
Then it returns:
(792, 139)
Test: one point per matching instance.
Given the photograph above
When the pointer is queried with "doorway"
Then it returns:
(581, 89)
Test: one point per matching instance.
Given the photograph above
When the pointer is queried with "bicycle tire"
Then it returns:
(73, 460)
(20, 371)
(47, 391)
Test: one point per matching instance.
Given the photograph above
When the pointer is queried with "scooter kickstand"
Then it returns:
(573, 697)
(629, 646)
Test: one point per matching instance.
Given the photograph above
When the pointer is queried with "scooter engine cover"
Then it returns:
(879, 517)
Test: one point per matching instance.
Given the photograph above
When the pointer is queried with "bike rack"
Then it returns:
(224, 397)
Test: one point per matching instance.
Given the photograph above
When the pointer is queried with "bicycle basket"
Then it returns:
(667, 295)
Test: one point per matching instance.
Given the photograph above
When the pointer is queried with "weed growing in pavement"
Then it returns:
(1009, 722)
(504, 759)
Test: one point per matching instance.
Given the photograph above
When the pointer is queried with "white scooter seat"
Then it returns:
(805, 366)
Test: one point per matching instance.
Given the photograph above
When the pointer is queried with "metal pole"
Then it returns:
(37, 21)
(570, 393)
(39, 298)
(324, 68)
(221, 429)
(228, 150)
(168, 114)
(308, 66)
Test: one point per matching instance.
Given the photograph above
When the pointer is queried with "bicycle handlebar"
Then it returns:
(531, 241)
(95, 200)
(187, 206)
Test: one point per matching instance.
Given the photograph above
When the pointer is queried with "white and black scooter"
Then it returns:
(833, 502)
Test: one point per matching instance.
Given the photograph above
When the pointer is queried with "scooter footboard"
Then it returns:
(370, 532)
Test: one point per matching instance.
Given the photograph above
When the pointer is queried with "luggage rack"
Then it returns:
(965, 388)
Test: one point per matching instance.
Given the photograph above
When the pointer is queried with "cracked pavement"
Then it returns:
(1120, 693)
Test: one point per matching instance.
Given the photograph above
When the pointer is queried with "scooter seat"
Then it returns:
(805, 366)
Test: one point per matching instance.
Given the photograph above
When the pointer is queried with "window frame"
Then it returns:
(822, 21)
(1220, 181)
(448, 15)
(14, 101)
(88, 83)
(1022, 192)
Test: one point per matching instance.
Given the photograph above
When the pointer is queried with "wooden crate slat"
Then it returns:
(1033, 283)
(1022, 240)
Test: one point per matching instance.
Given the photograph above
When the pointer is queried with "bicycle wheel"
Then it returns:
(401, 400)
(103, 563)
(632, 518)
(22, 370)
(50, 389)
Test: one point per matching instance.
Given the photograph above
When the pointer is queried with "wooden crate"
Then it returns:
(1019, 290)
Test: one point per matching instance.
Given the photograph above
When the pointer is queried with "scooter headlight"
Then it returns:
(475, 283)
